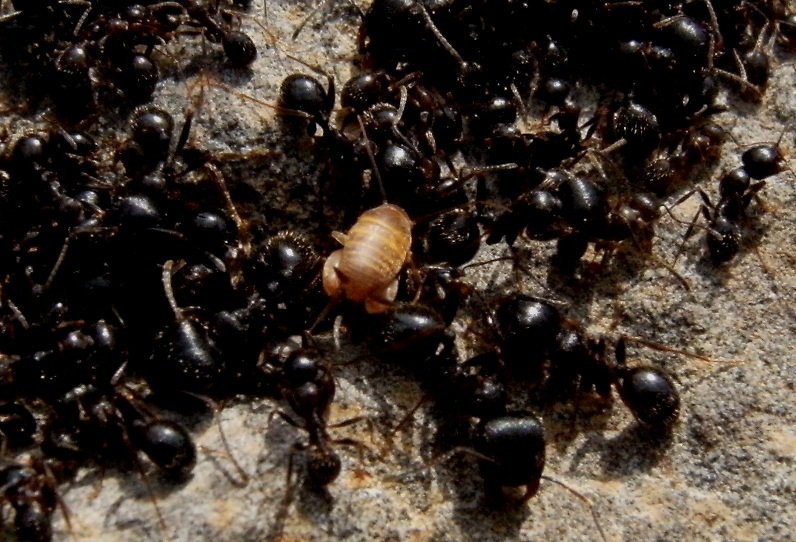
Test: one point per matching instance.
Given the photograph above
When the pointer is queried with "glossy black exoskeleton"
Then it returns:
(307, 384)
(763, 161)
(286, 264)
(184, 355)
(167, 444)
(239, 48)
(17, 425)
(408, 334)
(72, 71)
(632, 219)
(514, 450)
(152, 129)
(726, 218)
(453, 238)
(528, 328)
(32, 493)
(537, 214)
(578, 364)
(111, 423)
(639, 128)
(138, 77)
(285, 270)
(583, 204)
(649, 393)
(475, 388)
(305, 94)
(364, 90)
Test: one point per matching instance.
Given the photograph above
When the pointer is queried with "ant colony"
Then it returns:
(486, 256)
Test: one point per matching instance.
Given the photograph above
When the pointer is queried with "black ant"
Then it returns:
(307, 384)
(184, 355)
(18, 425)
(239, 48)
(736, 192)
(511, 452)
(31, 490)
(577, 363)
(105, 419)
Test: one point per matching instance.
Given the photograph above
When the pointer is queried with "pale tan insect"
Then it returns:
(375, 249)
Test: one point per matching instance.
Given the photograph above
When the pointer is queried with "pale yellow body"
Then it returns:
(375, 249)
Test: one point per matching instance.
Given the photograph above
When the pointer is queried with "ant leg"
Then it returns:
(583, 498)
(690, 231)
(143, 476)
(244, 476)
(284, 506)
(60, 503)
(306, 20)
(442, 458)
(409, 415)
(361, 448)
(285, 418)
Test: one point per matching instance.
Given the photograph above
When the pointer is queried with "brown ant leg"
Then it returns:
(409, 415)
(244, 476)
(663, 348)
(583, 498)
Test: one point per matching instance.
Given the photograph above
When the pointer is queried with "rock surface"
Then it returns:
(728, 471)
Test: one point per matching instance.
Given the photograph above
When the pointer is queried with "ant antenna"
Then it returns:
(663, 348)
(168, 271)
(372, 159)
(315, 10)
(244, 476)
(437, 34)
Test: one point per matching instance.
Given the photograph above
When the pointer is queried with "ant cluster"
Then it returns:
(82, 54)
(132, 286)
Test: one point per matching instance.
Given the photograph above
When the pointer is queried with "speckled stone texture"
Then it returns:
(727, 472)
